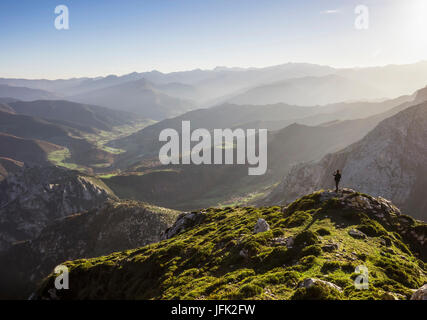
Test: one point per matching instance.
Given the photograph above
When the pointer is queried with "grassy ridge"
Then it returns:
(222, 258)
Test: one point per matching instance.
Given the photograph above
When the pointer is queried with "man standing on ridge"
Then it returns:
(337, 176)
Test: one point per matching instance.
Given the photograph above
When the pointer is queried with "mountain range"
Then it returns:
(159, 95)
(81, 185)
(139, 97)
(207, 185)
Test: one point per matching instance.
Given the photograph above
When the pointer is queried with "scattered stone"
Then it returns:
(420, 294)
(185, 221)
(357, 234)
(261, 226)
(309, 282)
(290, 242)
(244, 253)
(330, 247)
(280, 241)
(389, 296)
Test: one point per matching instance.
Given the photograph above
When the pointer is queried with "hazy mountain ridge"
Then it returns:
(82, 115)
(145, 144)
(291, 145)
(26, 94)
(309, 91)
(139, 97)
(209, 185)
(212, 87)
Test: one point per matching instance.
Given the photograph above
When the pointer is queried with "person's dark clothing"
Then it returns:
(337, 180)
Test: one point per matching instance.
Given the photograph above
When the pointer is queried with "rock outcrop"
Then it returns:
(310, 282)
(185, 221)
(261, 226)
(34, 197)
(118, 225)
(420, 294)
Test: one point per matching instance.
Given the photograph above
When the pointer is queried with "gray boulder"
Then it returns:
(185, 221)
(420, 294)
(357, 234)
(309, 282)
(261, 226)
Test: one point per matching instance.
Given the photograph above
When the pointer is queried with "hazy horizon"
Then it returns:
(109, 37)
(213, 69)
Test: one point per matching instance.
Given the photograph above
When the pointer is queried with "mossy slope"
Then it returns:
(222, 258)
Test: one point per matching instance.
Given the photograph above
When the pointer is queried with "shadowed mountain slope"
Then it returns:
(76, 114)
(23, 93)
(28, 151)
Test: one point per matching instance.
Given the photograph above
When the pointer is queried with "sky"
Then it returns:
(119, 37)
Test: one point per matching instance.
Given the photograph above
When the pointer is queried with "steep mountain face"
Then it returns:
(33, 198)
(23, 93)
(114, 227)
(307, 250)
(309, 91)
(391, 161)
(139, 97)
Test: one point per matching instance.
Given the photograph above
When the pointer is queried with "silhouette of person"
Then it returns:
(337, 176)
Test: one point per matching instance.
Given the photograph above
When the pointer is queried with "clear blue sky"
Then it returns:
(118, 37)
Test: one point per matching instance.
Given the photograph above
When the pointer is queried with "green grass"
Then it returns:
(102, 138)
(221, 258)
(60, 157)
